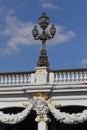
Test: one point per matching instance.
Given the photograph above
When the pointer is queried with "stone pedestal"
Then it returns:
(41, 75)
(42, 122)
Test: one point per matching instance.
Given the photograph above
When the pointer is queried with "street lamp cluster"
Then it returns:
(45, 35)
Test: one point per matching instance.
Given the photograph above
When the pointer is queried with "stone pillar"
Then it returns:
(42, 122)
(42, 126)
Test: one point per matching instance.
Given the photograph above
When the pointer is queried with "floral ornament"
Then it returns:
(67, 118)
(15, 118)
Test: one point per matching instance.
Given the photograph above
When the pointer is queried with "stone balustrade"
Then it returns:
(70, 76)
(15, 78)
(53, 76)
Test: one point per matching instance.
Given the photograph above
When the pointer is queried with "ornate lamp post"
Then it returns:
(45, 35)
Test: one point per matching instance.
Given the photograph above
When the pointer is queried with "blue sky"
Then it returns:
(20, 52)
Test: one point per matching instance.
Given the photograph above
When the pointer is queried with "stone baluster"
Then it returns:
(21, 79)
(17, 79)
(5, 79)
(56, 77)
(9, 79)
(81, 76)
(60, 77)
(73, 76)
(64, 77)
(25, 78)
(68, 76)
(13, 79)
(77, 76)
(2, 79)
(85, 76)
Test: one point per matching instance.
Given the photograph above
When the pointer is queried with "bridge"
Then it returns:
(43, 98)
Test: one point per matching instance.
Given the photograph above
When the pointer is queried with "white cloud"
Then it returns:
(84, 62)
(5, 12)
(49, 5)
(62, 35)
(15, 33)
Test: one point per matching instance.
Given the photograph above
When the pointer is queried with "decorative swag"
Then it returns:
(42, 106)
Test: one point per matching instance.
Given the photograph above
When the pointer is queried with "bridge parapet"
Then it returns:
(69, 76)
(17, 78)
(44, 76)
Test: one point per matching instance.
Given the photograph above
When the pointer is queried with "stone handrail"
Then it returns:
(17, 78)
(70, 75)
(53, 76)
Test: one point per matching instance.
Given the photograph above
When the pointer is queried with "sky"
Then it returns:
(18, 49)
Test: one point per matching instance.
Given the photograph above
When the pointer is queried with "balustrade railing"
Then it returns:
(15, 78)
(54, 76)
(72, 75)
